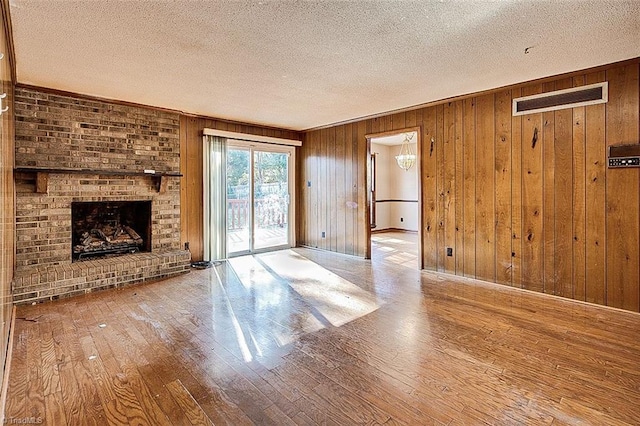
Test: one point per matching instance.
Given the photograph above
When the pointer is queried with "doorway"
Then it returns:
(259, 207)
(394, 207)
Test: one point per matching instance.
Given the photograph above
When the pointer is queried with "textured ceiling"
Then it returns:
(301, 65)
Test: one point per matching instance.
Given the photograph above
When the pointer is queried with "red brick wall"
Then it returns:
(59, 131)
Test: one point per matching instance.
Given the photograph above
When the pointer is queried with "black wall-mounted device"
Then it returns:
(624, 156)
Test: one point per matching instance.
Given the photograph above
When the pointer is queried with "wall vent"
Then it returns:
(561, 99)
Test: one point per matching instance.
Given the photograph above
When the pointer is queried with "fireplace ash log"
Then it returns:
(117, 232)
(133, 234)
(86, 239)
(98, 233)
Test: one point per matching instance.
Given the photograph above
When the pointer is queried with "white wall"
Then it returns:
(393, 183)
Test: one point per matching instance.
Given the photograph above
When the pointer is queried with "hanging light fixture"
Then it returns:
(406, 158)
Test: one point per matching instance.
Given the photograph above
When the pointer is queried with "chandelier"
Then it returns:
(406, 158)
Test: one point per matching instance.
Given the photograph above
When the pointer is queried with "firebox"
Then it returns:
(109, 228)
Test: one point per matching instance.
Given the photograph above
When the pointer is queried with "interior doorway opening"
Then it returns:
(394, 204)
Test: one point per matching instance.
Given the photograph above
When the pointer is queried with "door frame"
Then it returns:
(291, 175)
(418, 165)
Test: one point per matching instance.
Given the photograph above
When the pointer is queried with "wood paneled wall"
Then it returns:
(524, 201)
(7, 185)
(191, 199)
(332, 197)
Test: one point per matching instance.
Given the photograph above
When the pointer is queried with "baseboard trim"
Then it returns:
(377, 231)
(7, 366)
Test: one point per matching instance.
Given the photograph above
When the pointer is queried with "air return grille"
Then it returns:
(560, 99)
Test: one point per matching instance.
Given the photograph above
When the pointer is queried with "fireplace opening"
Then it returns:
(109, 228)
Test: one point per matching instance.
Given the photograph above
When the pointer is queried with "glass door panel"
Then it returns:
(259, 209)
(270, 199)
(238, 200)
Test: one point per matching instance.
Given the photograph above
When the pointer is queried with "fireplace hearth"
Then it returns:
(110, 228)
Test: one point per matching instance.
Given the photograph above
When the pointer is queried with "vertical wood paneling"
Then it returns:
(388, 123)
(341, 190)
(548, 188)
(440, 177)
(424, 146)
(411, 118)
(184, 164)
(447, 194)
(485, 189)
(596, 161)
(623, 192)
(469, 187)
(377, 125)
(304, 171)
(563, 198)
(532, 198)
(579, 199)
(350, 187)
(303, 196)
(323, 190)
(316, 185)
(526, 200)
(303, 192)
(458, 251)
(355, 190)
(398, 121)
(191, 203)
(332, 169)
(364, 228)
(503, 182)
(516, 195)
(429, 190)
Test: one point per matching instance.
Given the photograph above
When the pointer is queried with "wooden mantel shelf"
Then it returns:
(42, 176)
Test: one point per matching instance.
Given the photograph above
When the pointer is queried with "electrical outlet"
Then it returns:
(324, 234)
(449, 251)
(309, 184)
(402, 219)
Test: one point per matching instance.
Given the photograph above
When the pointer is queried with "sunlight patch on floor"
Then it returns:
(401, 259)
(270, 296)
(240, 338)
(391, 241)
(395, 247)
(337, 299)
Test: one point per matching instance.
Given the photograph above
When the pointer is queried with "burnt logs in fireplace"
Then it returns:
(110, 228)
(109, 239)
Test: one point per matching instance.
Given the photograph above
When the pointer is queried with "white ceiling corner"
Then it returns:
(301, 65)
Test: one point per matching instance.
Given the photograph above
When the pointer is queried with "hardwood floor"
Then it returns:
(397, 247)
(309, 337)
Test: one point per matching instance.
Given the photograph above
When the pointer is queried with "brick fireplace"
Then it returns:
(109, 228)
(74, 154)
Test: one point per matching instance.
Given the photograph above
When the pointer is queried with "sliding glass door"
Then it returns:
(238, 199)
(270, 199)
(259, 187)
